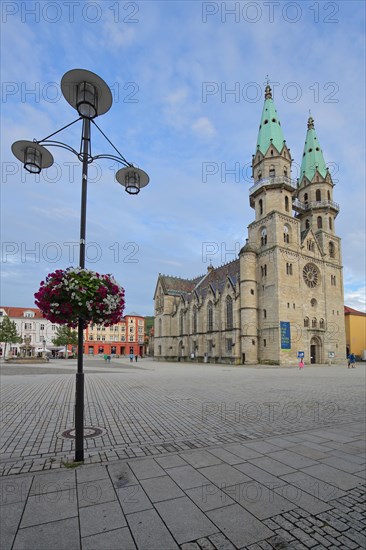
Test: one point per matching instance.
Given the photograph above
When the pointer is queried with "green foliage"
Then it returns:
(9, 333)
(65, 336)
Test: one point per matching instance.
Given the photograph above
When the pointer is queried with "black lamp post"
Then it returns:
(91, 97)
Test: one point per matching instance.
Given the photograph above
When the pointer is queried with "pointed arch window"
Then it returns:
(328, 194)
(307, 224)
(272, 171)
(260, 206)
(319, 222)
(314, 322)
(210, 316)
(194, 320)
(229, 312)
(181, 322)
(285, 170)
(287, 204)
(321, 323)
(286, 234)
(318, 195)
(264, 236)
(160, 330)
(331, 250)
(306, 322)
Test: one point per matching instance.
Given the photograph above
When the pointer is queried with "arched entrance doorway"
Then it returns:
(316, 355)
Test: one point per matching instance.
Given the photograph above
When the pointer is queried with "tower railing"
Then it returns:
(298, 205)
(273, 180)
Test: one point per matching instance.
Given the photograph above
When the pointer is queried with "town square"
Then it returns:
(183, 300)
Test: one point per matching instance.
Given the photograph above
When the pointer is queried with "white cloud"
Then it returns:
(356, 298)
(204, 127)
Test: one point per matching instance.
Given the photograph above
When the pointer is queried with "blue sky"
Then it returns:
(171, 66)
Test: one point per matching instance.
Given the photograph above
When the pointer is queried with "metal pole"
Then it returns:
(79, 386)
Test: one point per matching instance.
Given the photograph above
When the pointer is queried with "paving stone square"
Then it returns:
(179, 466)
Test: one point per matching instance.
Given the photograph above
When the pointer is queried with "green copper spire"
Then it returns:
(312, 158)
(270, 131)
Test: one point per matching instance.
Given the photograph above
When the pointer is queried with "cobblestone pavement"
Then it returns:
(192, 457)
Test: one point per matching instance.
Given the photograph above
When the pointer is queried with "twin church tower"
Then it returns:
(283, 296)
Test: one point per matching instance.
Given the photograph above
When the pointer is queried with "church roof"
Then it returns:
(270, 131)
(350, 311)
(215, 278)
(312, 158)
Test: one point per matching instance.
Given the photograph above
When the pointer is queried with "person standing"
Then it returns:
(301, 364)
(131, 357)
(352, 360)
(136, 356)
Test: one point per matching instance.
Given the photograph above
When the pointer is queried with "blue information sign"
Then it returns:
(285, 335)
(300, 354)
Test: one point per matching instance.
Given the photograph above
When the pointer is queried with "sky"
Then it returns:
(187, 80)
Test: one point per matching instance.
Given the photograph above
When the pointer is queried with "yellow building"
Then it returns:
(355, 331)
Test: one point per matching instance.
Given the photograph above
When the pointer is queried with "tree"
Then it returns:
(9, 333)
(65, 336)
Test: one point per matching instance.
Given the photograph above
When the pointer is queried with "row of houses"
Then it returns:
(124, 338)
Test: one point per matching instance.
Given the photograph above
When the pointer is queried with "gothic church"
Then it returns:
(283, 296)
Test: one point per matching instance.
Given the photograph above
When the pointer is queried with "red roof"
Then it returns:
(351, 311)
(19, 311)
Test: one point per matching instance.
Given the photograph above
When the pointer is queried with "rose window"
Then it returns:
(311, 275)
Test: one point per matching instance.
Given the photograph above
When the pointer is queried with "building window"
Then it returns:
(318, 195)
(310, 245)
(321, 323)
(103, 338)
(314, 322)
(159, 347)
(285, 170)
(131, 339)
(181, 322)
(194, 319)
(160, 332)
(319, 222)
(28, 326)
(330, 223)
(41, 327)
(272, 172)
(210, 346)
(331, 250)
(91, 337)
(288, 305)
(307, 224)
(210, 316)
(333, 280)
(286, 236)
(328, 193)
(140, 330)
(252, 291)
(287, 207)
(306, 198)
(306, 322)
(264, 270)
(229, 312)
(260, 206)
(264, 236)
(229, 345)
(253, 342)
(131, 329)
(264, 343)
(288, 269)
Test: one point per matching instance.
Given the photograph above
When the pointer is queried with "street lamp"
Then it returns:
(44, 348)
(91, 97)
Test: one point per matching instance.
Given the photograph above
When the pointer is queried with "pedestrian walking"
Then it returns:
(136, 356)
(301, 364)
(131, 357)
(105, 357)
(108, 358)
(351, 361)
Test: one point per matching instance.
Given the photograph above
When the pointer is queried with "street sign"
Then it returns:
(300, 354)
(331, 354)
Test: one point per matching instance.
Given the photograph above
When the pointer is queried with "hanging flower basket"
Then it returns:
(67, 295)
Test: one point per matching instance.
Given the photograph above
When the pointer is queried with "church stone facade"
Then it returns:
(283, 295)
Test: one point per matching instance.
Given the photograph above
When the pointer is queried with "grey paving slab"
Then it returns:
(10, 515)
(343, 464)
(95, 492)
(355, 459)
(224, 475)
(63, 535)
(262, 447)
(133, 499)
(149, 531)
(316, 487)
(259, 500)
(209, 497)
(281, 442)
(185, 520)
(309, 452)
(302, 499)
(260, 475)
(146, 468)
(161, 488)
(121, 474)
(292, 459)
(226, 456)
(239, 526)
(170, 461)
(336, 477)
(200, 459)
(49, 507)
(186, 477)
(272, 466)
(100, 518)
(362, 475)
(119, 539)
(242, 451)
(51, 482)
(91, 473)
(14, 489)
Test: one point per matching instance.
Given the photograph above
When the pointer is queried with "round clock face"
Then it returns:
(311, 275)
